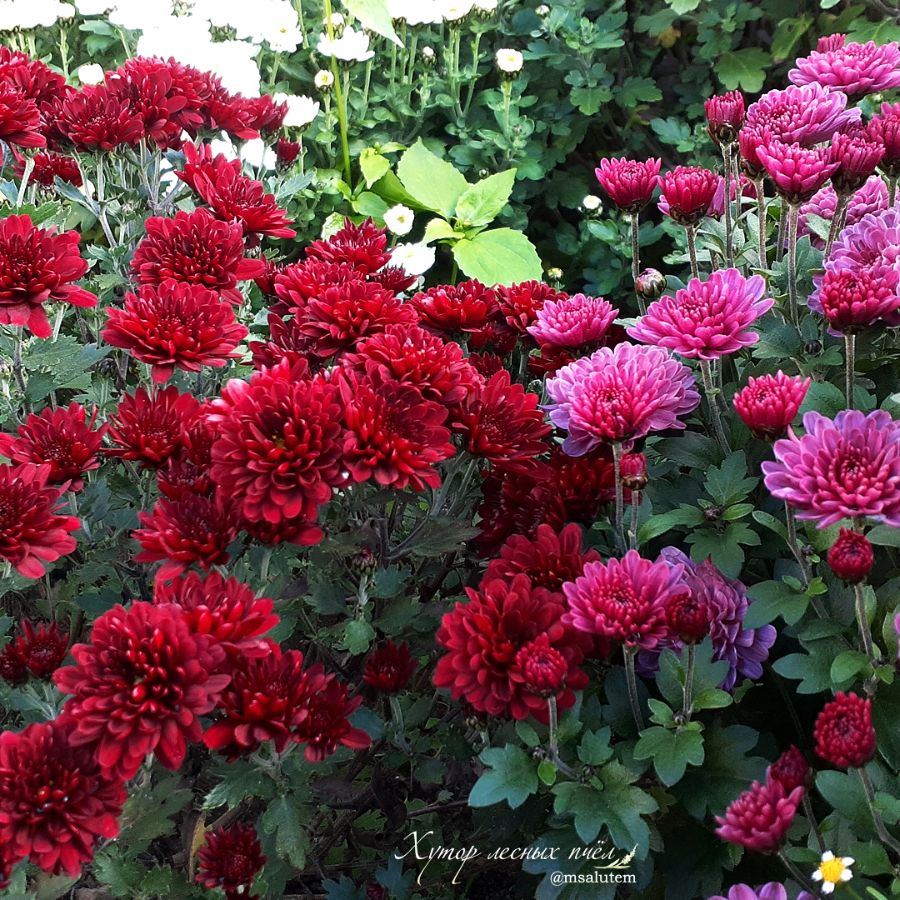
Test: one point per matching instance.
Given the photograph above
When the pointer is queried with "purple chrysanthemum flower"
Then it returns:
(574, 321)
(856, 69)
(771, 891)
(805, 114)
(744, 649)
(848, 468)
(872, 197)
(707, 319)
(619, 394)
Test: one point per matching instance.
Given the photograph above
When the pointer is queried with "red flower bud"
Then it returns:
(851, 557)
(844, 733)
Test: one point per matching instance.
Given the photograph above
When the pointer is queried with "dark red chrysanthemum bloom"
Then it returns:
(394, 278)
(482, 640)
(494, 334)
(688, 192)
(61, 438)
(56, 799)
(140, 687)
(844, 733)
(393, 435)
(225, 610)
(286, 152)
(326, 725)
(629, 183)
(769, 402)
(550, 558)
(265, 280)
(363, 246)
(760, 818)
(859, 151)
(20, 121)
(175, 326)
(228, 112)
(583, 483)
(96, 119)
(389, 667)
(152, 429)
(549, 360)
(791, 770)
(543, 668)
(461, 307)
(43, 648)
(413, 356)
(278, 452)
(851, 556)
(230, 859)
(724, 116)
(518, 304)
(688, 618)
(855, 298)
(297, 284)
(502, 422)
(344, 314)
(286, 341)
(38, 265)
(35, 79)
(486, 364)
(188, 470)
(31, 533)
(12, 664)
(191, 529)
(47, 167)
(195, 248)
(266, 115)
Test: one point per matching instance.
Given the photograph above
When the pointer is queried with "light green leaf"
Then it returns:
(511, 777)
(743, 69)
(683, 6)
(885, 536)
(358, 635)
(481, 203)
(498, 256)
(375, 16)
(440, 230)
(432, 181)
(373, 165)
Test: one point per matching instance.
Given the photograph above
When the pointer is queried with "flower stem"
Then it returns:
(620, 496)
(793, 218)
(892, 190)
(23, 185)
(761, 222)
(794, 546)
(688, 695)
(850, 363)
(631, 681)
(635, 515)
(782, 224)
(692, 250)
(636, 259)
(796, 874)
(339, 96)
(862, 622)
(711, 391)
(17, 367)
(880, 828)
(729, 223)
(837, 222)
(813, 822)
(553, 725)
(399, 727)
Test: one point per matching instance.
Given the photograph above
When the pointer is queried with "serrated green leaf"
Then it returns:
(745, 69)
(481, 203)
(511, 778)
(498, 256)
(671, 751)
(433, 182)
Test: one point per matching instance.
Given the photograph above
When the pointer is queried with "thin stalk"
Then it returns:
(553, 726)
(506, 88)
(727, 157)
(688, 695)
(793, 218)
(782, 224)
(880, 828)
(631, 681)
(892, 190)
(635, 516)
(17, 367)
(692, 250)
(794, 545)
(340, 97)
(264, 565)
(636, 259)
(862, 621)
(710, 391)
(23, 185)
(797, 875)
(399, 727)
(813, 822)
(837, 222)
(620, 496)
(850, 366)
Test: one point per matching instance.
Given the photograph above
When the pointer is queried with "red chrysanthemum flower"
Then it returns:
(687, 617)
(152, 429)
(363, 246)
(502, 422)
(851, 556)
(394, 278)
(140, 687)
(341, 315)
(61, 438)
(583, 483)
(413, 356)
(12, 664)
(95, 119)
(393, 434)
(797, 172)
(47, 167)
(769, 402)
(31, 533)
(230, 859)
(35, 79)
(286, 342)
(278, 452)
(687, 192)
(20, 121)
(519, 304)
(856, 298)
(37, 265)
(225, 610)
(791, 770)
(56, 799)
(724, 116)
(844, 733)
(297, 284)
(629, 183)
(462, 307)
(484, 636)
(43, 648)
(389, 667)
(192, 529)
(188, 470)
(286, 152)
(175, 326)
(760, 818)
(625, 600)
(265, 280)
(543, 668)
(195, 248)
(550, 558)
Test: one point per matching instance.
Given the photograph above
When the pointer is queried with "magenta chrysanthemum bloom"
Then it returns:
(853, 299)
(855, 69)
(760, 818)
(848, 468)
(858, 153)
(688, 192)
(620, 394)
(574, 321)
(625, 600)
(796, 172)
(629, 183)
(886, 127)
(724, 116)
(872, 197)
(769, 403)
(707, 319)
(771, 891)
(805, 115)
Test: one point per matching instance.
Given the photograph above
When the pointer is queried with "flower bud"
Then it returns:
(851, 557)
(651, 284)
(633, 471)
(688, 618)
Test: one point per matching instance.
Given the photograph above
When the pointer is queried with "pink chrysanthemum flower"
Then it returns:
(760, 818)
(872, 197)
(797, 172)
(625, 600)
(629, 183)
(573, 321)
(724, 116)
(886, 127)
(853, 299)
(769, 403)
(848, 468)
(856, 69)
(619, 394)
(858, 152)
(707, 319)
(687, 193)
(805, 115)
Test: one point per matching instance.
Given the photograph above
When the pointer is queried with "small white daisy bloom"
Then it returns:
(592, 203)
(399, 220)
(509, 61)
(323, 79)
(832, 871)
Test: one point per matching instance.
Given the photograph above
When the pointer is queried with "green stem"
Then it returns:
(688, 703)
(760, 185)
(862, 621)
(793, 544)
(17, 367)
(892, 190)
(340, 97)
(796, 874)
(620, 497)
(880, 828)
(553, 720)
(635, 516)
(850, 366)
(711, 392)
(813, 822)
(782, 224)
(793, 218)
(23, 185)
(727, 156)
(631, 682)
(692, 250)
(636, 259)
(837, 223)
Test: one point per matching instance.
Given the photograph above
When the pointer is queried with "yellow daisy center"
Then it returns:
(832, 869)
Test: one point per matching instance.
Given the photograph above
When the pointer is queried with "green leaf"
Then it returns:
(729, 483)
(787, 36)
(547, 772)
(440, 230)
(689, 516)
(432, 181)
(884, 536)
(511, 777)
(282, 819)
(743, 69)
(812, 669)
(777, 341)
(842, 791)
(683, 6)
(589, 98)
(498, 256)
(772, 599)
(481, 203)
(373, 165)
(847, 665)
(375, 16)
(635, 90)
(358, 636)
(823, 397)
(594, 749)
(671, 751)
